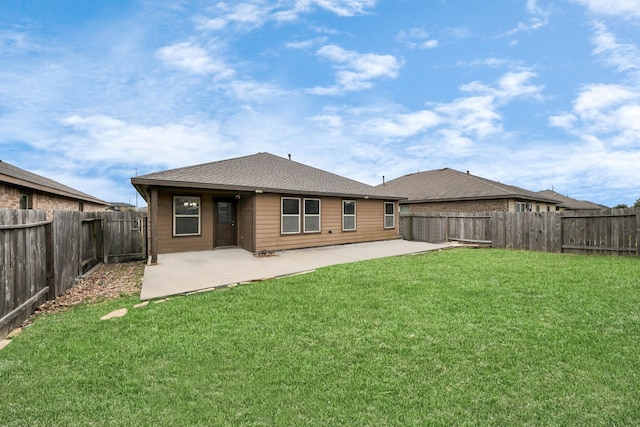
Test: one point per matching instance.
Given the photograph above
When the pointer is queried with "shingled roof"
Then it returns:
(569, 203)
(451, 185)
(262, 172)
(16, 176)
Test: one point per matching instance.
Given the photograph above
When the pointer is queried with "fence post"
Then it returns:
(48, 244)
(105, 239)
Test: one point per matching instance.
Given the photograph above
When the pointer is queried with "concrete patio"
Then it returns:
(186, 272)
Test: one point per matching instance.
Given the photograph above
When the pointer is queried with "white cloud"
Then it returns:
(342, 7)
(194, 59)
(491, 62)
(249, 15)
(417, 38)
(253, 91)
(306, 44)
(459, 32)
(622, 8)
(458, 123)
(565, 121)
(475, 116)
(538, 19)
(607, 112)
(514, 84)
(356, 71)
(511, 85)
(403, 125)
(599, 97)
(623, 57)
(242, 15)
(115, 140)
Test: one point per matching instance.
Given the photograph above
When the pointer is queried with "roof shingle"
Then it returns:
(569, 203)
(265, 172)
(450, 185)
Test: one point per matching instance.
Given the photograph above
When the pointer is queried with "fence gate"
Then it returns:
(125, 237)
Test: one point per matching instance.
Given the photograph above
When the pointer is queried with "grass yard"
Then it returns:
(458, 337)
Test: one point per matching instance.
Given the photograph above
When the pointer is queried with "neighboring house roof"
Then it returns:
(16, 176)
(119, 205)
(451, 185)
(569, 203)
(262, 172)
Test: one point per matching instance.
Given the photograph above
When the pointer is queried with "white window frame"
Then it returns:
(344, 202)
(283, 215)
(318, 215)
(175, 216)
(391, 215)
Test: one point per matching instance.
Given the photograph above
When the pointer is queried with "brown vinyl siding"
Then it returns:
(167, 242)
(245, 223)
(369, 224)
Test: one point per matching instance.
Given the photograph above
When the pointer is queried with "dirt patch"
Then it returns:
(106, 282)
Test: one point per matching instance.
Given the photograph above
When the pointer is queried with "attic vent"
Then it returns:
(289, 156)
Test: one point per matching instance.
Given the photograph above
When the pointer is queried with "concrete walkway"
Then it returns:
(186, 272)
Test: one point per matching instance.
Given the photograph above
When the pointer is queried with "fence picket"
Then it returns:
(41, 259)
(614, 232)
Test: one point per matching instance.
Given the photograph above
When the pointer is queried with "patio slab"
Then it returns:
(186, 272)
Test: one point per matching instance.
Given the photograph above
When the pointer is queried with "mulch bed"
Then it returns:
(104, 283)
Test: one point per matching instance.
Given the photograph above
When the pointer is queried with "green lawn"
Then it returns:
(458, 337)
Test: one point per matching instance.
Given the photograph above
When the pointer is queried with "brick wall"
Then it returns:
(10, 198)
(469, 206)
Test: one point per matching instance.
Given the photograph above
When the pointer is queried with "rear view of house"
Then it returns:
(262, 202)
(20, 189)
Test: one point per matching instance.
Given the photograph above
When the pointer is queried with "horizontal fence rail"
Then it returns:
(611, 231)
(40, 258)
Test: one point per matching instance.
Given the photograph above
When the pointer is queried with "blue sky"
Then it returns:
(535, 93)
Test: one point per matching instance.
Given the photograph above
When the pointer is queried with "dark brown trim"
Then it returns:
(153, 207)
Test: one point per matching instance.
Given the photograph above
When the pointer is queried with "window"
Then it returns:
(186, 216)
(290, 215)
(348, 215)
(405, 210)
(523, 207)
(25, 201)
(389, 215)
(311, 215)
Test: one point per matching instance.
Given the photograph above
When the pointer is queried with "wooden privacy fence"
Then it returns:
(40, 258)
(611, 231)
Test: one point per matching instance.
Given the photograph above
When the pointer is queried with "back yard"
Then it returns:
(458, 337)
